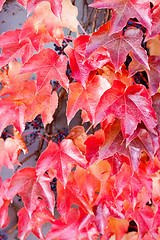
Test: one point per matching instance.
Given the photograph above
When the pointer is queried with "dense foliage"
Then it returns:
(104, 181)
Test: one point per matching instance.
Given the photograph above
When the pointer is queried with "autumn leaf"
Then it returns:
(93, 144)
(144, 219)
(78, 226)
(123, 10)
(131, 106)
(38, 27)
(60, 159)
(12, 48)
(117, 227)
(155, 29)
(66, 197)
(81, 68)
(26, 224)
(38, 100)
(47, 65)
(1, 4)
(56, 5)
(25, 184)
(11, 80)
(118, 45)
(79, 98)
(4, 202)
(15, 114)
(78, 136)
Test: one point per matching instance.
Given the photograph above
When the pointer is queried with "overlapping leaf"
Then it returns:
(12, 47)
(56, 5)
(81, 68)
(60, 159)
(47, 65)
(25, 181)
(131, 106)
(118, 45)
(123, 10)
(79, 98)
(27, 224)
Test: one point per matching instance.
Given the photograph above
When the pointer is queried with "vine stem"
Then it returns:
(89, 128)
(26, 159)
(12, 229)
(82, 28)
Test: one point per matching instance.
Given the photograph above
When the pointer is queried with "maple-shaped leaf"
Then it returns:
(143, 217)
(38, 27)
(10, 150)
(79, 225)
(66, 198)
(123, 10)
(81, 68)
(15, 114)
(11, 80)
(118, 45)
(131, 106)
(141, 140)
(86, 193)
(47, 65)
(60, 159)
(19, 107)
(56, 5)
(38, 100)
(12, 48)
(26, 184)
(79, 98)
(27, 224)
(93, 144)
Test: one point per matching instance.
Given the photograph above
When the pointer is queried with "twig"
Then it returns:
(12, 229)
(26, 159)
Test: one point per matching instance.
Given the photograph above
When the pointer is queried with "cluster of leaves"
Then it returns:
(107, 183)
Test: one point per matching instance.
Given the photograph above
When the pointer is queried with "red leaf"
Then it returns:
(93, 144)
(60, 159)
(38, 27)
(125, 9)
(1, 4)
(144, 219)
(81, 68)
(47, 65)
(155, 23)
(13, 48)
(103, 212)
(78, 226)
(27, 224)
(118, 45)
(25, 183)
(131, 106)
(79, 98)
(4, 203)
(12, 81)
(56, 5)
(15, 114)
